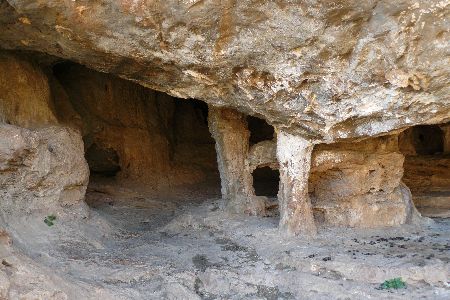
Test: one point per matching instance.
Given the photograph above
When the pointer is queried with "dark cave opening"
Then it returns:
(427, 167)
(102, 161)
(266, 182)
(428, 140)
(260, 130)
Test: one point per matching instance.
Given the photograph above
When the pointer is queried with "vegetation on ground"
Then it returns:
(49, 220)
(396, 283)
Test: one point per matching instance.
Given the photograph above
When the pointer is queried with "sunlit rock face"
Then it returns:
(326, 71)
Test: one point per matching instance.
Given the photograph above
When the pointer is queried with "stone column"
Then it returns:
(294, 157)
(229, 129)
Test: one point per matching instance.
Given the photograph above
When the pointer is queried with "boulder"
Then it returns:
(42, 170)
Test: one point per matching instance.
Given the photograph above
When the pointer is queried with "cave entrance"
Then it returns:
(266, 182)
(141, 145)
(265, 175)
(427, 167)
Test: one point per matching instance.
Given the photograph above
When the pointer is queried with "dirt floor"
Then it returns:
(135, 245)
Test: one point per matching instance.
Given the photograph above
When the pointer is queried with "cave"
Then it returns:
(224, 149)
(427, 167)
(265, 178)
(134, 136)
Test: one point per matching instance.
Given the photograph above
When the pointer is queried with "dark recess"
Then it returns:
(260, 130)
(266, 182)
(428, 140)
(102, 161)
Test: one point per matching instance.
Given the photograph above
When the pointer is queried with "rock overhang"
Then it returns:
(325, 71)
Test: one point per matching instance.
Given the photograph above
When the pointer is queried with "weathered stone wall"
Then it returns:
(25, 96)
(359, 184)
(41, 170)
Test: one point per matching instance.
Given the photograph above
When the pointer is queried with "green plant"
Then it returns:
(49, 220)
(395, 283)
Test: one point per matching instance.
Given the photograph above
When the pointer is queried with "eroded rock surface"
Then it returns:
(327, 71)
(359, 184)
(42, 170)
(294, 157)
(25, 98)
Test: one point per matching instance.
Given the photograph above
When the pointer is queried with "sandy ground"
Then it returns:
(182, 246)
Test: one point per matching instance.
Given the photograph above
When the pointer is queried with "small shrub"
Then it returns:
(396, 283)
(49, 220)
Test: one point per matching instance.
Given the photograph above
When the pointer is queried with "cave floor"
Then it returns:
(187, 247)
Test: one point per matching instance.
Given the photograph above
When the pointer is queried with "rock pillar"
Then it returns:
(294, 157)
(229, 129)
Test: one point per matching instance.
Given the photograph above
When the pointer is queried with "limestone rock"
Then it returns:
(25, 98)
(4, 285)
(229, 129)
(326, 71)
(294, 156)
(358, 184)
(42, 169)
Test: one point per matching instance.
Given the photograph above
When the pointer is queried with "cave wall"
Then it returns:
(427, 162)
(194, 157)
(118, 117)
(139, 134)
(25, 94)
(427, 167)
(129, 132)
(359, 184)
